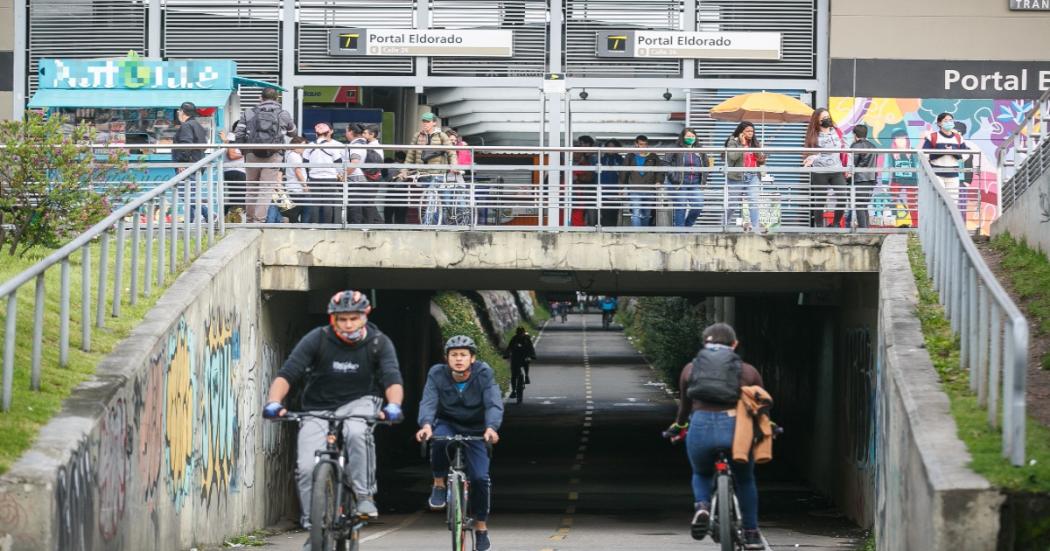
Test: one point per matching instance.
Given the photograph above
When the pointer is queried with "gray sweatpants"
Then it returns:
(360, 450)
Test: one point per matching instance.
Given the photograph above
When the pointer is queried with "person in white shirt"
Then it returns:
(325, 189)
(295, 184)
(361, 208)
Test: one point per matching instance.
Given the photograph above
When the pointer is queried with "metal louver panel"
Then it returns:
(526, 18)
(246, 31)
(583, 18)
(794, 19)
(317, 16)
(83, 29)
(713, 133)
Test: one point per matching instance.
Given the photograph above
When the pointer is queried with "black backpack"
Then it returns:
(265, 127)
(373, 174)
(716, 377)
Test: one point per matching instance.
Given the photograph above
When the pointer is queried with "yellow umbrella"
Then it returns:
(762, 107)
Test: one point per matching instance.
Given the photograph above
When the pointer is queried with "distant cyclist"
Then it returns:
(520, 351)
(461, 396)
(344, 366)
(711, 428)
(608, 306)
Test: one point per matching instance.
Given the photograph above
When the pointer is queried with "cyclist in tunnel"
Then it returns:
(711, 424)
(520, 351)
(608, 305)
(345, 368)
(461, 396)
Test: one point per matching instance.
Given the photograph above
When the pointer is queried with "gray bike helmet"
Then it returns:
(461, 341)
(349, 301)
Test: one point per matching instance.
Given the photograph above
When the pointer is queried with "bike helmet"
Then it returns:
(349, 301)
(461, 341)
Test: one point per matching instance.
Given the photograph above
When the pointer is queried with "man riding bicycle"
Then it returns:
(711, 427)
(344, 366)
(520, 351)
(462, 397)
(608, 306)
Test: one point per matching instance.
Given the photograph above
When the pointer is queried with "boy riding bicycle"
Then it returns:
(462, 397)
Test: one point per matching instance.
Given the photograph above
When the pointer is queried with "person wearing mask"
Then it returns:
(903, 180)
(640, 184)
(688, 182)
(823, 134)
(609, 181)
(362, 208)
(946, 165)
(324, 180)
(863, 183)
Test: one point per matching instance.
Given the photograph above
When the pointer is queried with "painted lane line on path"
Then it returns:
(404, 524)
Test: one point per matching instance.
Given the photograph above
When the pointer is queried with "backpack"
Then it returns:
(716, 377)
(933, 138)
(265, 127)
(373, 174)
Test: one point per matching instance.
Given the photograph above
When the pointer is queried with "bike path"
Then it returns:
(581, 466)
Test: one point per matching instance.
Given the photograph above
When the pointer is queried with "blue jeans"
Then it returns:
(689, 202)
(710, 431)
(738, 189)
(641, 210)
(477, 463)
(273, 215)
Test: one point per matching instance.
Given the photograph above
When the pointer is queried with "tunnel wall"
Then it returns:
(164, 448)
(925, 495)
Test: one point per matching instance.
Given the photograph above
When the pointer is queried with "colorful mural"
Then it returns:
(984, 123)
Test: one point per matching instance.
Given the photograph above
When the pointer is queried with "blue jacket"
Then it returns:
(477, 407)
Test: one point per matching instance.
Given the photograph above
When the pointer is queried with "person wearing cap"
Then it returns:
(190, 131)
(324, 180)
(430, 134)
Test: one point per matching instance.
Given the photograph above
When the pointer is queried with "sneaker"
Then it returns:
(753, 539)
(701, 519)
(366, 507)
(438, 498)
(481, 541)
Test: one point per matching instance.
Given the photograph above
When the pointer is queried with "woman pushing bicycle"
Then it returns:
(461, 397)
(710, 389)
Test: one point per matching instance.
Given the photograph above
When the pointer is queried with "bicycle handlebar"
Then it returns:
(458, 438)
(300, 415)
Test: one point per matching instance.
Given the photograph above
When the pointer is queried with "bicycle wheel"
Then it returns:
(430, 207)
(324, 510)
(725, 514)
(457, 521)
(519, 388)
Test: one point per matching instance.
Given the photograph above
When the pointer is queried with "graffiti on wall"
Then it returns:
(180, 389)
(75, 501)
(148, 408)
(905, 122)
(219, 428)
(113, 457)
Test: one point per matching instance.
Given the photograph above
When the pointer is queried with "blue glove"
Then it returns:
(393, 413)
(272, 410)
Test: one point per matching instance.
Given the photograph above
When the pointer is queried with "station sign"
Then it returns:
(688, 45)
(420, 42)
(1030, 5)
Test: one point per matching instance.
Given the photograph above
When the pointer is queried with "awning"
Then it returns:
(127, 98)
(242, 81)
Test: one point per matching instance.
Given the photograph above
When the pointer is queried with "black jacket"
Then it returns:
(863, 160)
(336, 373)
(190, 131)
(678, 160)
(520, 349)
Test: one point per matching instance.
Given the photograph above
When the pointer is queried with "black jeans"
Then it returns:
(862, 195)
(823, 188)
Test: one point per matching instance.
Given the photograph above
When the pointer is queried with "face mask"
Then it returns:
(349, 337)
(825, 123)
(688, 141)
(947, 126)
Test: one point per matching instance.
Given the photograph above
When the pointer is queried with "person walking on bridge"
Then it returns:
(712, 424)
(344, 368)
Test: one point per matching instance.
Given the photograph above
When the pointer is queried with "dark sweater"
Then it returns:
(477, 407)
(190, 131)
(336, 373)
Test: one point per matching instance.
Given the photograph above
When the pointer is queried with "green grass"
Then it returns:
(30, 410)
(462, 321)
(254, 539)
(869, 542)
(1029, 273)
(982, 440)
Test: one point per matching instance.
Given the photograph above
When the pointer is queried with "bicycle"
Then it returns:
(441, 201)
(458, 488)
(334, 522)
(517, 383)
(607, 318)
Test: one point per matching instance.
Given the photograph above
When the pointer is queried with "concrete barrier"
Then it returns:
(1029, 216)
(925, 495)
(164, 448)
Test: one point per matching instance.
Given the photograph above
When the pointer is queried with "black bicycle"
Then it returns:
(335, 524)
(726, 522)
(458, 491)
(607, 318)
(517, 383)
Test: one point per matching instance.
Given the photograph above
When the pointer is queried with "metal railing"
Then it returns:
(1025, 155)
(992, 331)
(151, 221)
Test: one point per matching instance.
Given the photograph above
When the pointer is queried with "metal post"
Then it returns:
(473, 202)
(555, 34)
(118, 269)
(63, 315)
(1018, 342)
(103, 267)
(38, 332)
(993, 367)
(970, 338)
(982, 346)
(1008, 387)
(9, 347)
(187, 205)
(211, 205)
(598, 188)
(173, 247)
(147, 278)
(135, 226)
(85, 297)
(342, 208)
(220, 192)
(198, 213)
(161, 234)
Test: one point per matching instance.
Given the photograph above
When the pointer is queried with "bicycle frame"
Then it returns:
(458, 481)
(723, 471)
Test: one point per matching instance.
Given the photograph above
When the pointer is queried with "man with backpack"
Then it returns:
(266, 123)
(362, 209)
(710, 389)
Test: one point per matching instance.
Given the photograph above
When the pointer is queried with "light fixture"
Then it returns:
(667, 94)
(584, 94)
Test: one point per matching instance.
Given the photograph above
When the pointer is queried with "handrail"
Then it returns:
(1026, 147)
(975, 303)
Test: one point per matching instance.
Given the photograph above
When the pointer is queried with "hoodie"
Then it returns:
(472, 410)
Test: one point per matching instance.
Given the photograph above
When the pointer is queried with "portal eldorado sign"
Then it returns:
(688, 45)
(420, 42)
